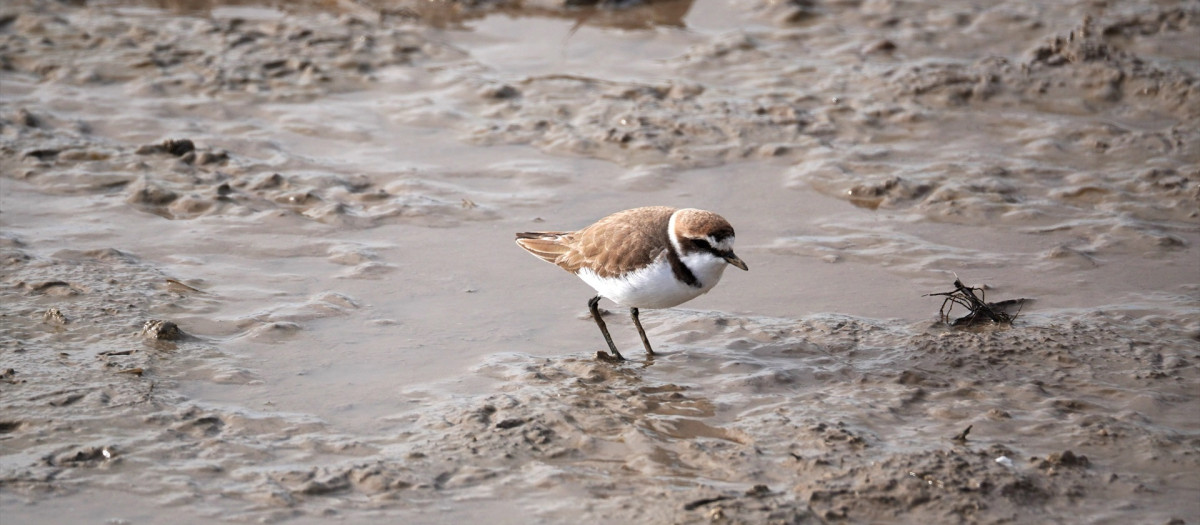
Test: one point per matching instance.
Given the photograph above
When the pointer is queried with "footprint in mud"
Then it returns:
(206, 426)
(53, 288)
(7, 427)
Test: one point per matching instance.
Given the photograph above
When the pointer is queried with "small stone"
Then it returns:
(178, 147)
(1065, 459)
(510, 423)
(143, 191)
(54, 316)
(27, 119)
(879, 46)
(758, 491)
(43, 153)
(211, 157)
(716, 514)
(161, 330)
(502, 92)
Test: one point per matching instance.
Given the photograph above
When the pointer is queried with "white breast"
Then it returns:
(655, 286)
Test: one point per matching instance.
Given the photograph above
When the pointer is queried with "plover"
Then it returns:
(653, 257)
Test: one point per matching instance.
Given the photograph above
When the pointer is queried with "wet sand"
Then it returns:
(258, 262)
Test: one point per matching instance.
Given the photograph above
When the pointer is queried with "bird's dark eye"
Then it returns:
(701, 244)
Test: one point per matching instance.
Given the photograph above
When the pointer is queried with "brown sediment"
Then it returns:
(252, 261)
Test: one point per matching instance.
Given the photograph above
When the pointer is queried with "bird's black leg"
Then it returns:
(616, 356)
(633, 312)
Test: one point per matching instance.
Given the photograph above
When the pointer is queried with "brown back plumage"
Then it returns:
(643, 231)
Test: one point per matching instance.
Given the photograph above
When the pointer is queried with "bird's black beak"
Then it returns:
(734, 260)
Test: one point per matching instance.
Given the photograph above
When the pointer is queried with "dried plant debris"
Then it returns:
(979, 310)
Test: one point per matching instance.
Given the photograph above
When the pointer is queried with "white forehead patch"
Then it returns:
(725, 245)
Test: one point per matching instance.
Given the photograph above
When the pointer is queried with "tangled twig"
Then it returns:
(979, 310)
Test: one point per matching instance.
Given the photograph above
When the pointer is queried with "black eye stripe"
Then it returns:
(705, 246)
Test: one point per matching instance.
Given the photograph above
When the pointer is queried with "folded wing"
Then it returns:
(547, 246)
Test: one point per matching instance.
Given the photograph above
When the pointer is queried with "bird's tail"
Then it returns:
(547, 246)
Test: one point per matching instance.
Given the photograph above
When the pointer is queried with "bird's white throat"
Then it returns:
(707, 268)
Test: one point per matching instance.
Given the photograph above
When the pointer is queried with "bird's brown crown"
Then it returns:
(691, 223)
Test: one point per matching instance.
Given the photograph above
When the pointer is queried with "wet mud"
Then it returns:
(257, 263)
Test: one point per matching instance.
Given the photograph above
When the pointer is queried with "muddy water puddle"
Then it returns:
(322, 200)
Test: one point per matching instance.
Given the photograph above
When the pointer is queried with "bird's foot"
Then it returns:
(601, 355)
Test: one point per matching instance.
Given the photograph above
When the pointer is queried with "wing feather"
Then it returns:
(547, 246)
(620, 242)
(610, 247)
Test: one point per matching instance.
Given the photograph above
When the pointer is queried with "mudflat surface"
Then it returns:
(257, 262)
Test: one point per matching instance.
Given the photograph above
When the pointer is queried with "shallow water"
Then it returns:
(365, 342)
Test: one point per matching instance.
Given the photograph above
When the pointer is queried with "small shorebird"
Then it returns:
(654, 257)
